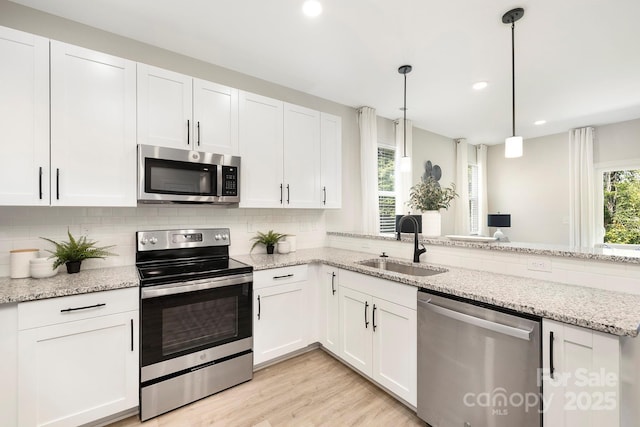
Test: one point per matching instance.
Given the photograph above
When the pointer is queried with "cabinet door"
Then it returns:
(394, 348)
(355, 321)
(301, 157)
(24, 119)
(164, 108)
(260, 142)
(279, 323)
(584, 388)
(215, 114)
(78, 372)
(93, 128)
(330, 309)
(331, 160)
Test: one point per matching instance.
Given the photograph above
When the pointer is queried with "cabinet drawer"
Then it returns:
(279, 276)
(76, 307)
(389, 290)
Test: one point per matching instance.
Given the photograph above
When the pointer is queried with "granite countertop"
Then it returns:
(63, 284)
(626, 256)
(616, 313)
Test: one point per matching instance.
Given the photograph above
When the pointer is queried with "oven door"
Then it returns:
(185, 324)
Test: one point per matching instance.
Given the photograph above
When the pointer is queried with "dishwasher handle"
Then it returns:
(522, 334)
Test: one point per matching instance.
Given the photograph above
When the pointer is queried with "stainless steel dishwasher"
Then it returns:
(477, 367)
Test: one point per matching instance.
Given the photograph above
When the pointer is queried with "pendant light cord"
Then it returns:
(404, 123)
(513, 80)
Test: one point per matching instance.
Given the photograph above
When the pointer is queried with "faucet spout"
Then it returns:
(416, 251)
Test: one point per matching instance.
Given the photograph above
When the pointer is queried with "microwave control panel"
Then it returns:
(229, 181)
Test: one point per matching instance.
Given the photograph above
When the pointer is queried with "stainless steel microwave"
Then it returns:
(169, 175)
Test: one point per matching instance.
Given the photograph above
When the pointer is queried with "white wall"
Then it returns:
(22, 227)
(534, 188)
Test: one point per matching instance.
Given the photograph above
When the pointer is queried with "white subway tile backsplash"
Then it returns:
(22, 227)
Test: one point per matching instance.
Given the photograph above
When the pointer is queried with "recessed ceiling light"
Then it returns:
(539, 122)
(480, 85)
(312, 8)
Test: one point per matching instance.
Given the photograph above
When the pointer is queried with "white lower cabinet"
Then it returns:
(581, 377)
(78, 358)
(329, 308)
(281, 320)
(378, 331)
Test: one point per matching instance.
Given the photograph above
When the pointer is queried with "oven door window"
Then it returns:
(173, 177)
(175, 325)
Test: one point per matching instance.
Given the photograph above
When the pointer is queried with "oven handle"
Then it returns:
(195, 285)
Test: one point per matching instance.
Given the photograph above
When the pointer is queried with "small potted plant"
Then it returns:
(429, 197)
(73, 252)
(269, 239)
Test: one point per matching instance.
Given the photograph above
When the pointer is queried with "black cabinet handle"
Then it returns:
(324, 195)
(283, 277)
(374, 318)
(131, 334)
(57, 184)
(40, 182)
(288, 194)
(188, 131)
(258, 307)
(198, 134)
(366, 322)
(67, 310)
(333, 288)
(280, 193)
(551, 368)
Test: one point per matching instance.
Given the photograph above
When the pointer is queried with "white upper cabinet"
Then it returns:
(280, 150)
(24, 119)
(261, 130)
(93, 128)
(301, 157)
(215, 113)
(331, 160)
(179, 111)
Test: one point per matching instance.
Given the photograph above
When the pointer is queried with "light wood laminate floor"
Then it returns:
(312, 389)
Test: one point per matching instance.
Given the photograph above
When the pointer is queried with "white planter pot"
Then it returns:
(431, 224)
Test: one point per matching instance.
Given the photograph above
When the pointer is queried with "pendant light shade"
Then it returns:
(513, 144)
(405, 161)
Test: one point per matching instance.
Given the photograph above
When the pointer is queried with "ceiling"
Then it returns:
(577, 61)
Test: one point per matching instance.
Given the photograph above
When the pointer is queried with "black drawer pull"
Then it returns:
(67, 310)
(283, 277)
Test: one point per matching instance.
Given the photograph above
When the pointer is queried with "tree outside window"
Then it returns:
(386, 188)
(622, 206)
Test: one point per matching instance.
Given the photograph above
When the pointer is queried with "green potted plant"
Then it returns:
(269, 239)
(429, 197)
(73, 252)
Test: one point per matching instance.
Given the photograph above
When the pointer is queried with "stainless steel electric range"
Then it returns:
(195, 317)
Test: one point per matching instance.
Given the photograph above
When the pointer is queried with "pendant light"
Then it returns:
(513, 144)
(405, 161)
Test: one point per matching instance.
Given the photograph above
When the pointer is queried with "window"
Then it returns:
(621, 213)
(386, 188)
(474, 219)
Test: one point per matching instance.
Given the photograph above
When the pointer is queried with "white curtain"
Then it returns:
(403, 181)
(483, 200)
(582, 222)
(461, 204)
(369, 170)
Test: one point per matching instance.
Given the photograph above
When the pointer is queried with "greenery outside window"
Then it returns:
(621, 213)
(386, 188)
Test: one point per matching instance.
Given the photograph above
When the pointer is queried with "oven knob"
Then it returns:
(144, 241)
(153, 240)
(217, 237)
(225, 236)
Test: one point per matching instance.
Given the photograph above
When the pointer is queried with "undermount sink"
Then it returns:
(399, 267)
